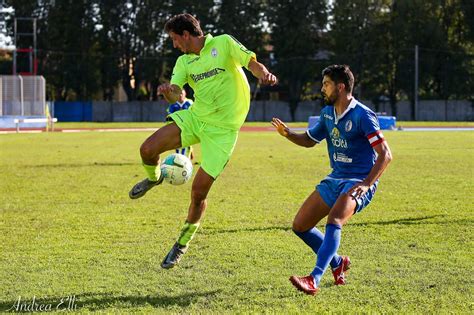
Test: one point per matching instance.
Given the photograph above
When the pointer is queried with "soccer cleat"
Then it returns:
(142, 187)
(174, 256)
(340, 272)
(305, 284)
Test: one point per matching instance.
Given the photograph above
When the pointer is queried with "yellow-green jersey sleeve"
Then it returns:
(179, 76)
(238, 51)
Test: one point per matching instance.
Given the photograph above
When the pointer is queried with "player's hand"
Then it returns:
(268, 79)
(281, 127)
(358, 190)
(165, 89)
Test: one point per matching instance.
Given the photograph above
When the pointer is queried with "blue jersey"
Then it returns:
(350, 139)
(179, 106)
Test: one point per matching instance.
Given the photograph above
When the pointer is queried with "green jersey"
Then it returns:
(221, 89)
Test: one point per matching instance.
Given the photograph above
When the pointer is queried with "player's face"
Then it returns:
(179, 41)
(182, 96)
(329, 90)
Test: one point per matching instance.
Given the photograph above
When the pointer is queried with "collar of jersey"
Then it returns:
(352, 104)
(186, 100)
(209, 37)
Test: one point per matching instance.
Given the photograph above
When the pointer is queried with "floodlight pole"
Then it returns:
(415, 94)
(21, 96)
(33, 69)
(14, 43)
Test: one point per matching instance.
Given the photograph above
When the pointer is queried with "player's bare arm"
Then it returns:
(170, 92)
(261, 73)
(300, 139)
(384, 157)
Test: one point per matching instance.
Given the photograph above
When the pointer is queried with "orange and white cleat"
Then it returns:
(340, 272)
(306, 284)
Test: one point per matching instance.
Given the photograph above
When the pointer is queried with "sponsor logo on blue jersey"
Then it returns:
(348, 126)
(341, 157)
(336, 139)
(327, 116)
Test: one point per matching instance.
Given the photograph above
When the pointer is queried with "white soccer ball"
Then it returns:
(177, 169)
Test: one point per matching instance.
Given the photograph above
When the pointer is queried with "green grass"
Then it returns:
(67, 227)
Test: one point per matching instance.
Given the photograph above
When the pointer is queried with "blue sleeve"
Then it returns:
(187, 104)
(319, 131)
(369, 123)
(173, 108)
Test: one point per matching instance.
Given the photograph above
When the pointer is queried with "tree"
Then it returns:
(70, 48)
(438, 28)
(109, 53)
(296, 31)
(354, 39)
(244, 20)
(89, 46)
(451, 66)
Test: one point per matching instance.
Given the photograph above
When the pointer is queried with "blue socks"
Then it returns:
(328, 249)
(314, 238)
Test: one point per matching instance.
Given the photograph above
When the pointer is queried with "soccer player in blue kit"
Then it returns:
(358, 154)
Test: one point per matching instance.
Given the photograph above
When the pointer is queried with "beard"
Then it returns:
(331, 99)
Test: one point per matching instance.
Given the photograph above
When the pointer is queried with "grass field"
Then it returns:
(68, 228)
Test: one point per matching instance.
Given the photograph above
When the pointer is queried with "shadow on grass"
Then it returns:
(102, 301)
(212, 231)
(401, 221)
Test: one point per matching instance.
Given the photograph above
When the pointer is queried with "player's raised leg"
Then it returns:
(340, 213)
(201, 185)
(311, 212)
(164, 139)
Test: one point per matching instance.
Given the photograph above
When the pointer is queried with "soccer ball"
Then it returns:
(177, 169)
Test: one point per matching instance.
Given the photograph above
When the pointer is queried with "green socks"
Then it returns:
(187, 233)
(153, 172)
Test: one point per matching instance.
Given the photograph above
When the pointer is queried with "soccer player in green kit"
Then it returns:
(212, 66)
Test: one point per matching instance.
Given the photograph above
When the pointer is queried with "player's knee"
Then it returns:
(149, 151)
(336, 220)
(146, 150)
(298, 226)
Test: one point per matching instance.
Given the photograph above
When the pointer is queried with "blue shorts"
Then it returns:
(331, 188)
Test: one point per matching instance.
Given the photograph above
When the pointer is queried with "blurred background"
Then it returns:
(102, 60)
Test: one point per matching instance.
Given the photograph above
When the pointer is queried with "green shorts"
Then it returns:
(217, 144)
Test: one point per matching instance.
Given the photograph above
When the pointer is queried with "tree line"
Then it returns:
(87, 48)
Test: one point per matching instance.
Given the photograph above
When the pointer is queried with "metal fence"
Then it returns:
(22, 95)
(428, 110)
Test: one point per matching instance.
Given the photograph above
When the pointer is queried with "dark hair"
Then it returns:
(183, 22)
(340, 74)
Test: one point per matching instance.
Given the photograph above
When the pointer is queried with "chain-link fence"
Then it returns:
(22, 95)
